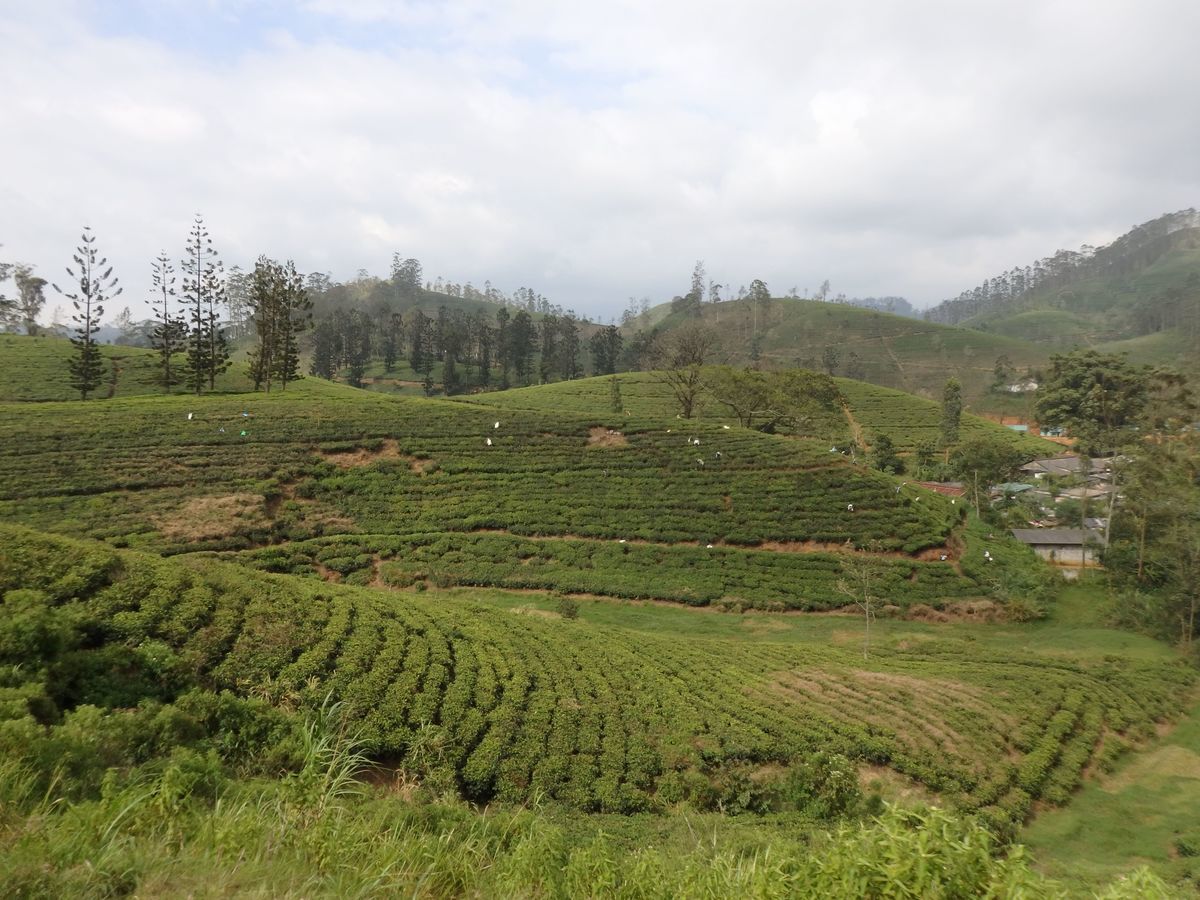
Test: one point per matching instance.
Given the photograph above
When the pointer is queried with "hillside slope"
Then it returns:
(870, 410)
(691, 512)
(1144, 284)
(893, 351)
(35, 369)
(597, 716)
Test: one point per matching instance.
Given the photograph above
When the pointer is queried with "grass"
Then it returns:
(1143, 812)
(35, 369)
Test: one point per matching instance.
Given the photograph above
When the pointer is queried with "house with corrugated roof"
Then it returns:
(1071, 548)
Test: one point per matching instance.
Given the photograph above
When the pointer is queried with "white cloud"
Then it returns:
(594, 151)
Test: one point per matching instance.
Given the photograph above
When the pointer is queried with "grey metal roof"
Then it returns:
(1072, 537)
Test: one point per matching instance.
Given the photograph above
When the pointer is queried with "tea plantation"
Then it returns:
(507, 706)
(869, 410)
(454, 493)
(336, 642)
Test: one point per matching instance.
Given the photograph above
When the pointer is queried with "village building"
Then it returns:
(1065, 466)
(1070, 548)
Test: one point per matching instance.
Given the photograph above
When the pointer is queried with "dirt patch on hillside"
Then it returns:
(980, 610)
(893, 786)
(350, 459)
(606, 437)
(389, 450)
(207, 518)
(931, 554)
(535, 612)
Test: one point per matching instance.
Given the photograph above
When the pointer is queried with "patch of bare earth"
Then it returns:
(893, 786)
(389, 450)
(349, 459)
(606, 437)
(207, 518)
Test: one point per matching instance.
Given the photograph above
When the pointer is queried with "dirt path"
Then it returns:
(856, 431)
(928, 554)
(896, 362)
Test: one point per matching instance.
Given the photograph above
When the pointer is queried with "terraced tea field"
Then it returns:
(869, 410)
(511, 702)
(461, 494)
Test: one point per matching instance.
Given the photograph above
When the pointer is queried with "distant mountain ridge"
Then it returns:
(1145, 282)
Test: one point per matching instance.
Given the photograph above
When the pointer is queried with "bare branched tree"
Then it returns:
(860, 574)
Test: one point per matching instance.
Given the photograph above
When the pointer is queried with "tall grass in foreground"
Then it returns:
(320, 833)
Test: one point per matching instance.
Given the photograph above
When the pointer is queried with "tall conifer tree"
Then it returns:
(204, 294)
(96, 284)
(170, 330)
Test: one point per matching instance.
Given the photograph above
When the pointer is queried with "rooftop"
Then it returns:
(1062, 537)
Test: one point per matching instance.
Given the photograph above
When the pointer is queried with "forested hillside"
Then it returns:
(1145, 283)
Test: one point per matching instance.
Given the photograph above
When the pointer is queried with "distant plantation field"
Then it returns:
(510, 702)
(870, 410)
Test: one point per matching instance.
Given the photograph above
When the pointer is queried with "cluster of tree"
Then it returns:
(1129, 253)
(475, 351)
(771, 401)
(1146, 419)
(1176, 307)
(21, 311)
(280, 309)
(193, 310)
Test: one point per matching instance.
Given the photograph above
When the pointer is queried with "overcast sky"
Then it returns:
(594, 151)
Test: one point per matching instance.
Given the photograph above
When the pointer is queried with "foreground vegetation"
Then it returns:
(510, 707)
(341, 643)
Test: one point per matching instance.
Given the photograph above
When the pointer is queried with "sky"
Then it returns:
(595, 151)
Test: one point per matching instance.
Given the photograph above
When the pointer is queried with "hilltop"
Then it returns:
(1143, 289)
(867, 345)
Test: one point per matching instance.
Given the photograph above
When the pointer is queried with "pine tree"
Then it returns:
(324, 344)
(97, 284)
(170, 331)
(204, 293)
(281, 309)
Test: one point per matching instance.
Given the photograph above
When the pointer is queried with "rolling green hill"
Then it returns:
(216, 611)
(869, 410)
(893, 351)
(434, 490)
(1140, 293)
(35, 368)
